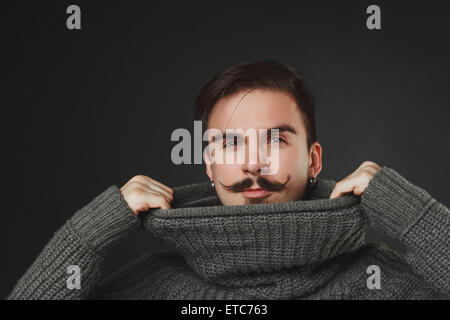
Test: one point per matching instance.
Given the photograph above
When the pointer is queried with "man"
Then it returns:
(250, 234)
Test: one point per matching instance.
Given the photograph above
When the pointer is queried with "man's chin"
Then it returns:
(272, 198)
(257, 200)
(267, 199)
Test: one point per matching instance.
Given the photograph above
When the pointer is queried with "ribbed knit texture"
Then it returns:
(81, 241)
(408, 213)
(310, 249)
(228, 245)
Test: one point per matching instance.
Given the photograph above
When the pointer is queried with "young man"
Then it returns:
(250, 234)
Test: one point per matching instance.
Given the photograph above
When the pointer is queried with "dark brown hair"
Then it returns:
(267, 74)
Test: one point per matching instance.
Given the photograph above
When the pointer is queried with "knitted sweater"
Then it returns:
(306, 249)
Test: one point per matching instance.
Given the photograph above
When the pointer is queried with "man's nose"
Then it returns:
(254, 161)
(253, 169)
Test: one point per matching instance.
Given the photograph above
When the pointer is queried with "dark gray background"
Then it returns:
(82, 110)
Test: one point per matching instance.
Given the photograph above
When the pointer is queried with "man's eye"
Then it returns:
(229, 143)
(277, 140)
(232, 143)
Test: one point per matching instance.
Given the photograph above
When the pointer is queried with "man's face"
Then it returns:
(291, 164)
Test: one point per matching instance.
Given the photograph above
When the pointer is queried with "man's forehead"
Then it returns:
(255, 109)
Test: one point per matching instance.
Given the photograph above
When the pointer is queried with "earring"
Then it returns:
(212, 184)
(312, 182)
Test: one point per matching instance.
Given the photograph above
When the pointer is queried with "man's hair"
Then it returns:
(267, 74)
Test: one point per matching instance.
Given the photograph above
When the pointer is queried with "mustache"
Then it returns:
(261, 181)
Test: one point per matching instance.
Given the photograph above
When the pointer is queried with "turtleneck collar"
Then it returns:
(227, 244)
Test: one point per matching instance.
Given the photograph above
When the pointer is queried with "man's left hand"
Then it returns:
(357, 181)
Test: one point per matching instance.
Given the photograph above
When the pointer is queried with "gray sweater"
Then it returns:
(309, 249)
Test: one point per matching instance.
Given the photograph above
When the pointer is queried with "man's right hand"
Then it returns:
(142, 193)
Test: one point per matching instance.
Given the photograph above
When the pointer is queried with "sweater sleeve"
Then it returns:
(408, 213)
(81, 242)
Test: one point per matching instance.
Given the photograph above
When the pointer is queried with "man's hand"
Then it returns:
(142, 193)
(356, 182)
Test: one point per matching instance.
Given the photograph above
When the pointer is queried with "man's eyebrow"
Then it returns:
(280, 128)
(284, 127)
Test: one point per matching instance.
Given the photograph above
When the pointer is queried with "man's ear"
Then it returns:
(209, 172)
(208, 165)
(315, 159)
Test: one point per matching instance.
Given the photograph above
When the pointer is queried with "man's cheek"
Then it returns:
(227, 174)
(284, 166)
(273, 164)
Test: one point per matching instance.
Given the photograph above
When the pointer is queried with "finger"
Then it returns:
(157, 201)
(133, 182)
(151, 187)
(342, 187)
(148, 180)
(369, 165)
(365, 166)
(156, 182)
(162, 185)
(137, 185)
(162, 190)
(355, 185)
(161, 195)
(354, 173)
(148, 191)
